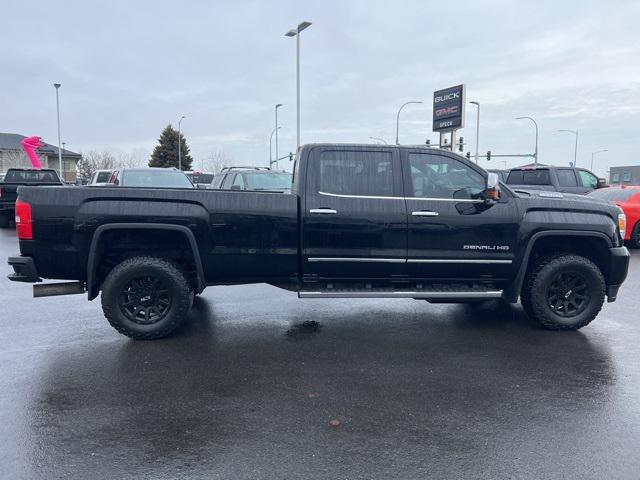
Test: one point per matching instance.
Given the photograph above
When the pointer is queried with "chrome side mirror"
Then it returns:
(492, 190)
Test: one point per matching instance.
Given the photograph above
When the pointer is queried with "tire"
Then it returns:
(146, 298)
(634, 241)
(563, 292)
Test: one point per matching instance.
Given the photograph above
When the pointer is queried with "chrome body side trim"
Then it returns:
(403, 294)
(373, 197)
(474, 260)
(356, 259)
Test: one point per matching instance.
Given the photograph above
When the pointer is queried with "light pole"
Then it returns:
(58, 85)
(477, 104)
(180, 143)
(594, 154)
(277, 128)
(575, 150)
(535, 153)
(296, 33)
(63, 149)
(398, 119)
(378, 139)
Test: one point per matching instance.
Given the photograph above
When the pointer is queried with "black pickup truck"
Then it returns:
(361, 221)
(17, 177)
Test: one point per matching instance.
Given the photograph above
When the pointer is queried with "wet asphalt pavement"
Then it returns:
(262, 385)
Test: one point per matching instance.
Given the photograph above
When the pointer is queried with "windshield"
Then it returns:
(615, 194)
(31, 176)
(156, 178)
(201, 177)
(268, 181)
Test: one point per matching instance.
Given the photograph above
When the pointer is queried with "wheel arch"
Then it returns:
(94, 255)
(540, 242)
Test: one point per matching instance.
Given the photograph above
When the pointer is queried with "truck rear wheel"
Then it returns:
(146, 298)
(564, 292)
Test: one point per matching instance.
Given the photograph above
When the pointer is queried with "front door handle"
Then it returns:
(323, 211)
(425, 213)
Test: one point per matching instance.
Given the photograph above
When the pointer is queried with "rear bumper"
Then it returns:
(24, 270)
(618, 269)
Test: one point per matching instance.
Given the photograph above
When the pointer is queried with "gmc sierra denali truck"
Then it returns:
(361, 221)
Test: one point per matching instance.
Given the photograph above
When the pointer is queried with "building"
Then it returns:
(12, 155)
(624, 175)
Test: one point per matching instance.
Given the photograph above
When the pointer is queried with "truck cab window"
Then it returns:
(437, 176)
(238, 182)
(567, 178)
(356, 173)
(588, 179)
(226, 184)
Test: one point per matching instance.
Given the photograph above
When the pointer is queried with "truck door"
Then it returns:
(353, 218)
(452, 232)
(567, 181)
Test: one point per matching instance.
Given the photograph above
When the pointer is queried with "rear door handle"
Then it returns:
(425, 213)
(323, 211)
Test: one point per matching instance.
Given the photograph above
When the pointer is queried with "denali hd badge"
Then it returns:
(502, 248)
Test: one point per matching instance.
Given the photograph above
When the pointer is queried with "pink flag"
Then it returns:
(30, 145)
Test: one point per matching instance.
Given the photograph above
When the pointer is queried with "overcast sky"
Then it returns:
(128, 68)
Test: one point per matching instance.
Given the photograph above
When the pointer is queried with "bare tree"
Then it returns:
(136, 158)
(94, 160)
(215, 161)
(17, 159)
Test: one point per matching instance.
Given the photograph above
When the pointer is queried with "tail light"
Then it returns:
(24, 223)
(0, 192)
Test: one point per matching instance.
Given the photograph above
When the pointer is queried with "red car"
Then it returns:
(628, 199)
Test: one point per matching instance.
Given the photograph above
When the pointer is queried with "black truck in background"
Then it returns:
(361, 221)
(16, 177)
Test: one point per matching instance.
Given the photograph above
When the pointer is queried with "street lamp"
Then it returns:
(58, 85)
(277, 128)
(575, 150)
(180, 143)
(535, 154)
(378, 139)
(477, 104)
(594, 154)
(398, 118)
(296, 33)
(63, 149)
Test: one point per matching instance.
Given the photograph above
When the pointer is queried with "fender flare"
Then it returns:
(512, 293)
(92, 289)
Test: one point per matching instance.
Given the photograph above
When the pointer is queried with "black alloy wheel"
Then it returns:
(567, 295)
(145, 300)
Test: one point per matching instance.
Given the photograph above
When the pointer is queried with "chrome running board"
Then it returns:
(437, 295)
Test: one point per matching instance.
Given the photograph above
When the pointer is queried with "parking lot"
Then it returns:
(260, 384)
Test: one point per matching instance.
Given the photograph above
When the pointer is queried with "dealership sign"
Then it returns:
(448, 109)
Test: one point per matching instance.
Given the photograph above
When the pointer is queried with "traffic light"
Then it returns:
(488, 154)
(461, 144)
(468, 155)
(428, 142)
(290, 156)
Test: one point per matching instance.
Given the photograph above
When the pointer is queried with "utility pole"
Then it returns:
(575, 149)
(277, 128)
(180, 143)
(535, 153)
(296, 33)
(57, 86)
(477, 104)
(398, 119)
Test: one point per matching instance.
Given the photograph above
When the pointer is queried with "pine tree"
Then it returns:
(166, 152)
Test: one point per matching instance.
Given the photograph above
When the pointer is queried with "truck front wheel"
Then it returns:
(146, 298)
(564, 291)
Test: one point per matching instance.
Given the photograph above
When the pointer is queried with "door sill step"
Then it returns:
(433, 295)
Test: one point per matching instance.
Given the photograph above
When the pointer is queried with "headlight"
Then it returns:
(622, 224)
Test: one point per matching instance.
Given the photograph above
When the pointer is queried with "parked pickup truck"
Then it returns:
(361, 221)
(16, 177)
(556, 179)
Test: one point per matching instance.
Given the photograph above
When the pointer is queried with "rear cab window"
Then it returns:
(356, 173)
(31, 176)
(529, 177)
(566, 177)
